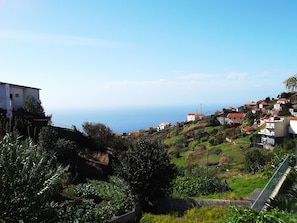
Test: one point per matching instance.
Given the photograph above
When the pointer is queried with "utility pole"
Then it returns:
(207, 164)
(296, 155)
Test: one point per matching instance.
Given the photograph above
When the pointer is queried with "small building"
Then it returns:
(293, 126)
(163, 125)
(262, 104)
(12, 96)
(235, 119)
(280, 102)
(191, 117)
(275, 129)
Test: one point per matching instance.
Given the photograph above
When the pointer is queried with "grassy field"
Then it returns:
(201, 215)
(226, 161)
(241, 187)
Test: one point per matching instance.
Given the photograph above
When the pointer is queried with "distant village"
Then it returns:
(273, 124)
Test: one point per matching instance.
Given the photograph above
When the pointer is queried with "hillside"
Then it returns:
(206, 148)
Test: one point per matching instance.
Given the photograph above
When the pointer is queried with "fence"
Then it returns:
(271, 185)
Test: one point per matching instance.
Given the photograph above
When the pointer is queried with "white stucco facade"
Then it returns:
(293, 126)
(12, 96)
(276, 127)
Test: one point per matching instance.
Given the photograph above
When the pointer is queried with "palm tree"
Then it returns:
(291, 83)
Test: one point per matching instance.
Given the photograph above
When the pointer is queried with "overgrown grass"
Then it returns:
(242, 186)
(213, 214)
(181, 161)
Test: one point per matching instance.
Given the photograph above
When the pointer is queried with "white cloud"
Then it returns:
(157, 92)
(129, 84)
(26, 36)
(237, 75)
(199, 76)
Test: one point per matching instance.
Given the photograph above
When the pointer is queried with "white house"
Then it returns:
(280, 102)
(235, 119)
(194, 116)
(163, 125)
(293, 126)
(275, 128)
(12, 96)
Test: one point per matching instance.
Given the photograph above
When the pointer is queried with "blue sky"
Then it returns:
(121, 53)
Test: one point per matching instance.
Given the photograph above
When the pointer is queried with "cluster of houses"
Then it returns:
(273, 127)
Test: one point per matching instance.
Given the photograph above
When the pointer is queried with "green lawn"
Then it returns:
(201, 215)
(242, 186)
(181, 161)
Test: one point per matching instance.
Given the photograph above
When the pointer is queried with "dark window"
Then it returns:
(17, 95)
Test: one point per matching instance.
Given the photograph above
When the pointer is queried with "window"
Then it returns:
(17, 95)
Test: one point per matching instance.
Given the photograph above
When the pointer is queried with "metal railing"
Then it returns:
(271, 185)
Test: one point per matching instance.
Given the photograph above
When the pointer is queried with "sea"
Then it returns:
(124, 120)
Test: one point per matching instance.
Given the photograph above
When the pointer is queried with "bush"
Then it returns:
(247, 215)
(95, 201)
(193, 186)
(255, 161)
(29, 182)
(147, 169)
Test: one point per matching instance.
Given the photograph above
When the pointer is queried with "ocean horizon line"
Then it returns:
(123, 120)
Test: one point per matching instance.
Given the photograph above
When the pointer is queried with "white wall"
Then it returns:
(3, 99)
(293, 127)
(16, 96)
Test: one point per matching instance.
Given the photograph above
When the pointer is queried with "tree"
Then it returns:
(48, 138)
(28, 182)
(291, 83)
(101, 134)
(255, 161)
(32, 106)
(50, 142)
(285, 111)
(147, 169)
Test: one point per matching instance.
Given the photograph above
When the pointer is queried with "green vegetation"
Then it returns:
(64, 175)
(29, 181)
(201, 215)
(94, 201)
(147, 170)
(241, 187)
(247, 215)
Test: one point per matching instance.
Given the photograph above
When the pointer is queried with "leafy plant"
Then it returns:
(247, 215)
(32, 106)
(255, 161)
(147, 170)
(96, 201)
(192, 186)
(28, 181)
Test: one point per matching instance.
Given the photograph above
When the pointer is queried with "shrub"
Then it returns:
(95, 201)
(193, 186)
(255, 161)
(29, 181)
(147, 169)
(247, 215)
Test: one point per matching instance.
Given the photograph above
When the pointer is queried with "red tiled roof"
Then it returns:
(236, 115)
(247, 128)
